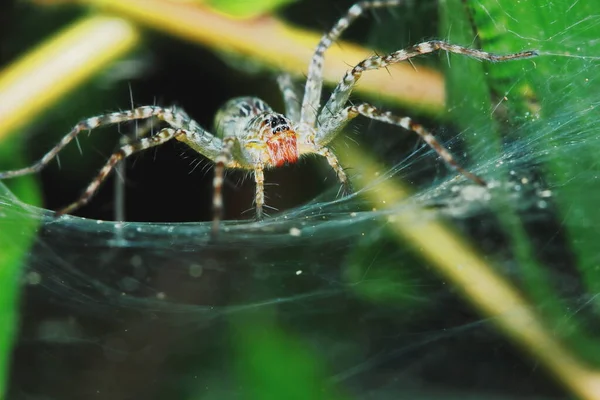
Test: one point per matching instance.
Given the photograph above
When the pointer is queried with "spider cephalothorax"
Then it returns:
(265, 137)
(250, 135)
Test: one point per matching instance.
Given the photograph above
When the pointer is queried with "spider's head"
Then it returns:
(280, 139)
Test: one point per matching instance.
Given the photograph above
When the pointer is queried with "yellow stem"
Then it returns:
(468, 271)
(280, 46)
(63, 62)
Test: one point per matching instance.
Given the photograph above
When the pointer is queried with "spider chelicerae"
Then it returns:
(251, 136)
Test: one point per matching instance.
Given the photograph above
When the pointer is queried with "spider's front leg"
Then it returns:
(339, 97)
(314, 79)
(165, 114)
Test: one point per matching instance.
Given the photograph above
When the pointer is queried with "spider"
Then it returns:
(251, 136)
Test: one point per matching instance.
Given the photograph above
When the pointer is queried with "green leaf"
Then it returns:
(16, 236)
(272, 364)
(374, 273)
(547, 119)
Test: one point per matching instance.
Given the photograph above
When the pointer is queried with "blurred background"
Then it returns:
(420, 286)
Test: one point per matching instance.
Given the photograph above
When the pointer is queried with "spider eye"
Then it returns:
(273, 123)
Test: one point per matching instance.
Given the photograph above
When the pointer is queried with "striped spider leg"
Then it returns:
(146, 128)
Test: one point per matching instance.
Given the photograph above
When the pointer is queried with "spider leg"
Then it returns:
(340, 95)
(339, 171)
(221, 162)
(259, 178)
(126, 150)
(174, 117)
(146, 129)
(329, 130)
(314, 81)
(290, 96)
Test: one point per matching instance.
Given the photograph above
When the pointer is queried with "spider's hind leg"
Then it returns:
(125, 151)
(333, 125)
(371, 112)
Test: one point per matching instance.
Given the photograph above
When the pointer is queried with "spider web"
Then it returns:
(323, 295)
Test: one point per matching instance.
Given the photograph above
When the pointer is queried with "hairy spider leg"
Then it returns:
(335, 124)
(173, 117)
(125, 151)
(259, 180)
(333, 117)
(333, 161)
(314, 82)
(340, 95)
(147, 128)
(222, 161)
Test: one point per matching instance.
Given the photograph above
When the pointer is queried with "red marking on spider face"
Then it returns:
(282, 148)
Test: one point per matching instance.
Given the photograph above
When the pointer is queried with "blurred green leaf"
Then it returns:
(273, 364)
(557, 92)
(373, 272)
(573, 168)
(16, 236)
(567, 90)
